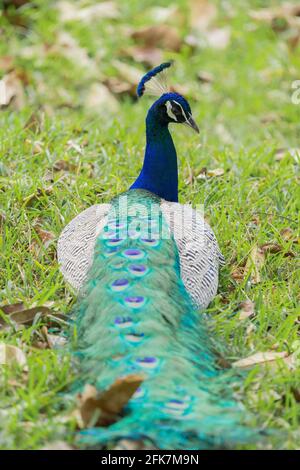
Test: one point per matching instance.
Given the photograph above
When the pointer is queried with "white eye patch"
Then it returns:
(169, 111)
(182, 110)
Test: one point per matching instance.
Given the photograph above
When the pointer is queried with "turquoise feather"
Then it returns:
(134, 316)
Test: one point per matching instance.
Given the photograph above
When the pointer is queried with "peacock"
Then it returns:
(144, 266)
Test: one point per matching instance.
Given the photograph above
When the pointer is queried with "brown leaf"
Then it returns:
(238, 274)
(52, 341)
(43, 242)
(6, 63)
(69, 47)
(21, 316)
(279, 17)
(158, 36)
(271, 248)
(12, 308)
(10, 355)
(148, 55)
(254, 264)
(40, 192)
(104, 408)
(205, 77)
(12, 91)
(202, 14)
(246, 309)
(259, 358)
(129, 73)
(100, 99)
(63, 165)
(215, 172)
(70, 12)
(119, 87)
(218, 38)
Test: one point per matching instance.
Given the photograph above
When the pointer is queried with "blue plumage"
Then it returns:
(148, 76)
(135, 317)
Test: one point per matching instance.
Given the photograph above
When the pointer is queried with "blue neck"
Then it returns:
(159, 174)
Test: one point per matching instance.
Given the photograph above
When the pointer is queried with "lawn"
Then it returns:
(72, 135)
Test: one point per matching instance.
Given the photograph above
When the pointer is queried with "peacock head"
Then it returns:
(170, 107)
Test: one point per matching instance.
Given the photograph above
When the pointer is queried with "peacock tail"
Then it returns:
(135, 317)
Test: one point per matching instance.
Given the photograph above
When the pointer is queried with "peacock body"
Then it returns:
(145, 265)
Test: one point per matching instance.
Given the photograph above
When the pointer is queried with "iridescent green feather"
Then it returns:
(131, 321)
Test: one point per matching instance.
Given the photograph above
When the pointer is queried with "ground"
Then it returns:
(69, 139)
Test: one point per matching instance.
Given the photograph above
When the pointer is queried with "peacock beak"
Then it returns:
(191, 123)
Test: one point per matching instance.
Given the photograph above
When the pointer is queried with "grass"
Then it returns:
(245, 114)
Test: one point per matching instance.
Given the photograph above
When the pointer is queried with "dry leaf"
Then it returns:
(205, 77)
(259, 358)
(21, 316)
(11, 91)
(288, 12)
(218, 38)
(40, 192)
(158, 36)
(254, 264)
(104, 408)
(52, 341)
(215, 172)
(119, 87)
(148, 55)
(100, 99)
(246, 309)
(70, 12)
(6, 63)
(10, 355)
(63, 165)
(202, 14)
(271, 248)
(45, 238)
(69, 47)
(129, 73)
(164, 14)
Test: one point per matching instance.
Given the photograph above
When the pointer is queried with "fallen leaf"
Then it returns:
(70, 12)
(12, 91)
(246, 309)
(26, 316)
(205, 77)
(119, 87)
(158, 36)
(69, 47)
(202, 14)
(271, 248)
(103, 408)
(238, 274)
(254, 264)
(52, 341)
(259, 358)
(63, 165)
(148, 55)
(6, 63)
(279, 17)
(129, 73)
(100, 99)
(163, 14)
(218, 38)
(10, 355)
(38, 194)
(215, 172)
(42, 243)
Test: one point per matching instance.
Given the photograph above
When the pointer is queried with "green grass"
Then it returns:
(245, 115)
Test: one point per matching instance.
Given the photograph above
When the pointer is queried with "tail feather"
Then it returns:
(135, 317)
